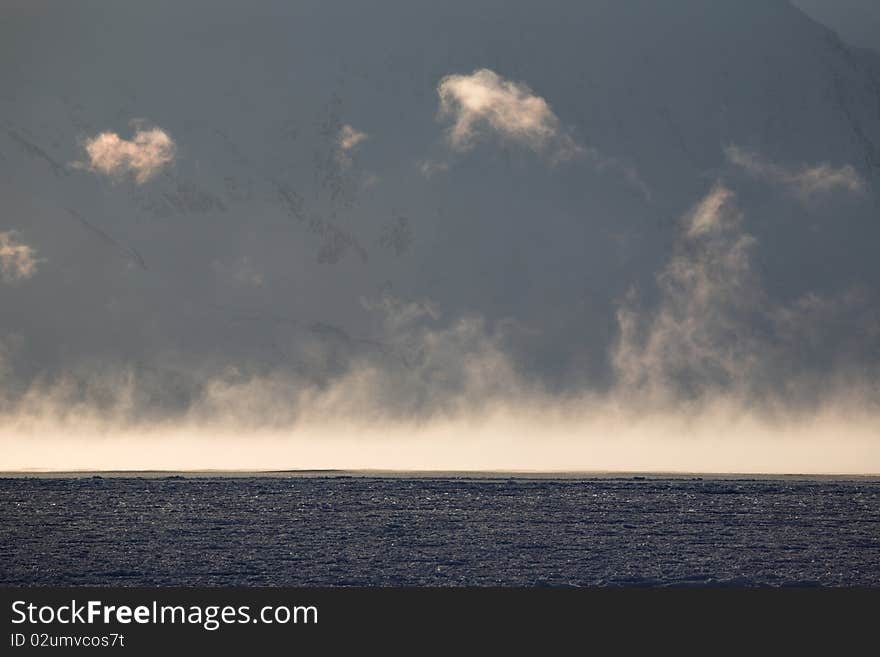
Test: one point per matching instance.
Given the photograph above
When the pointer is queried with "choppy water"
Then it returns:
(438, 531)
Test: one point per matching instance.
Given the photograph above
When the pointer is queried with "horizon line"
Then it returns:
(440, 473)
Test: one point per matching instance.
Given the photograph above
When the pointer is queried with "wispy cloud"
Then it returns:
(709, 213)
(695, 341)
(144, 155)
(428, 168)
(18, 261)
(804, 182)
(483, 104)
(346, 141)
(626, 171)
(243, 272)
(716, 329)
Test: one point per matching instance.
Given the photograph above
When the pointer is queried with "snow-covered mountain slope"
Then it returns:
(318, 208)
(857, 21)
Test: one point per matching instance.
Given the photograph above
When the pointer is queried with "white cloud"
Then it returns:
(148, 151)
(485, 103)
(804, 182)
(18, 261)
(346, 141)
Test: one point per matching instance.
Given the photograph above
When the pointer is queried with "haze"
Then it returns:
(594, 235)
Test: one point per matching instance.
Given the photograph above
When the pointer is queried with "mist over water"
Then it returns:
(253, 428)
(346, 244)
(695, 389)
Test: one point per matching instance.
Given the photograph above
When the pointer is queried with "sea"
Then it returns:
(437, 529)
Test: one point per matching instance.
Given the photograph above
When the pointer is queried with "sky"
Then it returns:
(418, 235)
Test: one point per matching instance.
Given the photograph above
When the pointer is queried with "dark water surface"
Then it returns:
(315, 530)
